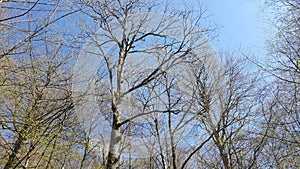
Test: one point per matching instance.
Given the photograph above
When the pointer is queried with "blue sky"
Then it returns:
(242, 24)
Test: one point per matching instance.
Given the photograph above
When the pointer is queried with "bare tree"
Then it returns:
(136, 42)
(284, 48)
(283, 114)
(224, 100)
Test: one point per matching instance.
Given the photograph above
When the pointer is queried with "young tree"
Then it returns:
(36, 97)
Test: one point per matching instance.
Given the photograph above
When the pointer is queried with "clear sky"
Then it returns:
(242, 24)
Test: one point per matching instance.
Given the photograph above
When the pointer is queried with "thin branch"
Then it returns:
(146, 113)
(13, 17)
(196, 150)
(21, 43)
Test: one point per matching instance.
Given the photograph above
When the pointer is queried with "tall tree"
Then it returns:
(224, 100)
(135, 43)
(283, 114)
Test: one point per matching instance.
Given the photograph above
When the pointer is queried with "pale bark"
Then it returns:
(113, 158)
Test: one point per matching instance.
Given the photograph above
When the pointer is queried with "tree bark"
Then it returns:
(221, 147)
(173, 148)
(113, 158)
(13, 155)
(160, 145)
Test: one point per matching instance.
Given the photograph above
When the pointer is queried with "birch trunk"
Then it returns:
(113, 159)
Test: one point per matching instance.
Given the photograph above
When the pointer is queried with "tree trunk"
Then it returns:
(13, 155)
(160, 145)
(173, 148)
(221, 147)
(113, 158)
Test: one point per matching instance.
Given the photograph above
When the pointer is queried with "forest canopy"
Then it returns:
(138, 84)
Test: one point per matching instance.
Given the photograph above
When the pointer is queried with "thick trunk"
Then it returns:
(221, 147)
(225, 158)
(113, 158)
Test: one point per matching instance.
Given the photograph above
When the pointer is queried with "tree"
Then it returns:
(283, 105)
(30, 112)
(136, 42)
(225, 98)
(136, 84)
(36, 97)
(284, 48)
